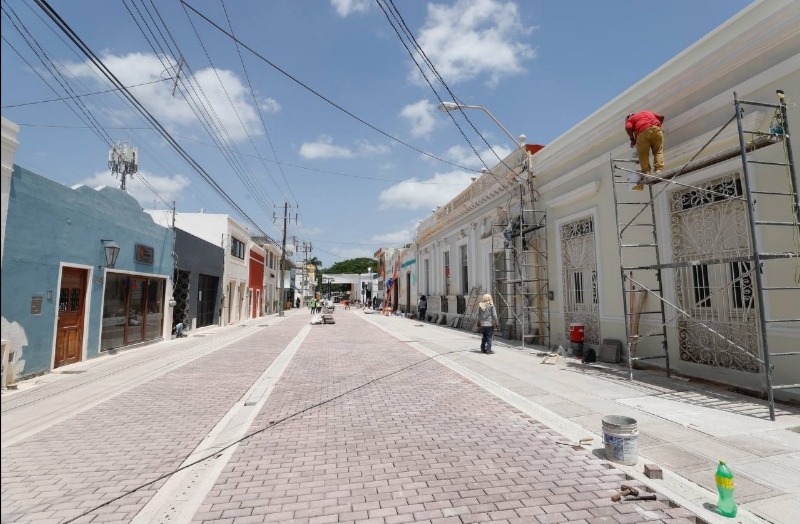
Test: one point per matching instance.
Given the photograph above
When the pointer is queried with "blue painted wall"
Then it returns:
(49, 223)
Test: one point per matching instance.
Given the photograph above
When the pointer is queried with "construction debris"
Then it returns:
(631, 493)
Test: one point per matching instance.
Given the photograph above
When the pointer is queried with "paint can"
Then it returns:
(621, 439)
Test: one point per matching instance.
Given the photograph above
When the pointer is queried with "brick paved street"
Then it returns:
(422, 445)
(131, 439)
(372, 427)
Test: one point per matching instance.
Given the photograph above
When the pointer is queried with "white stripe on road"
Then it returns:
(178, 499)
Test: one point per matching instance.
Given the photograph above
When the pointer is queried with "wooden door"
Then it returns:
(71, 300)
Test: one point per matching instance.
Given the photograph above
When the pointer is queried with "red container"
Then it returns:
(576, 332)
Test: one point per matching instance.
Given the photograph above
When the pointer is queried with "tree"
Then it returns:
(314, 261)
(352, 266)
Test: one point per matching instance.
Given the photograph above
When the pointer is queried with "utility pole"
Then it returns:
(283, 254)
(305, 247)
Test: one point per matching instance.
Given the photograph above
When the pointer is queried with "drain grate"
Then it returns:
(71, 372)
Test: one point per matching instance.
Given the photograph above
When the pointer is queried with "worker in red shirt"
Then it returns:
(644, 130)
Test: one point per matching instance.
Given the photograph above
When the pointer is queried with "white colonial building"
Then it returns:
(701, 218)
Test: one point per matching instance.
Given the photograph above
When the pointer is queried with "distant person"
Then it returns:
(346, 304)
(297, 303)
(644, 130)
(511, 228)
(422, 307)
(487, 317)
(178, 329)
(313, 306)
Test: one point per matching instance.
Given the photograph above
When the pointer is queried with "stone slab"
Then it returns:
(781, 509)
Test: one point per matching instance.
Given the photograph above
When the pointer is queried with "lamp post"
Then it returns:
(446, 107)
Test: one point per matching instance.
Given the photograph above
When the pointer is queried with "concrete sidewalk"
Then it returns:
(684, 427)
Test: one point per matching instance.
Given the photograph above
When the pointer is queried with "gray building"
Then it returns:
(198, 279)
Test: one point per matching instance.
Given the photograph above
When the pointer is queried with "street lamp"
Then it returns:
(446, 107)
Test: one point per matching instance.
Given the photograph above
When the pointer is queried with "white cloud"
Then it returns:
(367, 149)
(475, 38)
(412, 194)
(465, 156)
(270, 105)
(349, 252)
(172, 111)
(400, 237)
(420, 116)
(168, 187)
(345, 7)
(325, 148)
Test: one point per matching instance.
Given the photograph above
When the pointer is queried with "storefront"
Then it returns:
(133, 309)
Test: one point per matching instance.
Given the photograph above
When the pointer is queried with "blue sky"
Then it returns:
(360, 179)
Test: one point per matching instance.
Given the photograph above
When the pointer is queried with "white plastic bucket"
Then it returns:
(621, 439)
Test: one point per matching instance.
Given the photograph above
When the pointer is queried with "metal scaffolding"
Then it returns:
(521, 284)
(717, 264)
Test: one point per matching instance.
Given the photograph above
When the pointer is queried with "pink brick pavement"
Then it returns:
(132, 438)
(424, 445)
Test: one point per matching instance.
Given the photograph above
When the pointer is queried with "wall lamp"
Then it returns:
(112, 252)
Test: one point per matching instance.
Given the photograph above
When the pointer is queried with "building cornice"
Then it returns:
(575, 195)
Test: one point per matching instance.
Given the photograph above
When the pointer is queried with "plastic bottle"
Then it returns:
(724, 478)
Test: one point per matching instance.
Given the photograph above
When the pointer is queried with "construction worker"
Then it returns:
(644, 130)
(513, 227)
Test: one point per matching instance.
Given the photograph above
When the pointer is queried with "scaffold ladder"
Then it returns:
(743, 288)
(762, 262)
(521, 280)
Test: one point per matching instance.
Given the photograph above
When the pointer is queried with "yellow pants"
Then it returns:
(651, 139)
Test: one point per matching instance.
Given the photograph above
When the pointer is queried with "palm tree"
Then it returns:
(314, 261)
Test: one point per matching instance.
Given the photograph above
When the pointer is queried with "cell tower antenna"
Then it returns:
(123, 161)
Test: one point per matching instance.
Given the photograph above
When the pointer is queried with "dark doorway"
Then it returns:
(408, 293)
(206, 299)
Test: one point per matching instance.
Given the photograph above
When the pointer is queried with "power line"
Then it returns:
(318, 94)
(81, 95)
(208, 119)
(63, 26)
(400, 21)
(257, 106)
